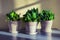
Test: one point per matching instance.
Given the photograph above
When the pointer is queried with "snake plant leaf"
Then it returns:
(33, 14)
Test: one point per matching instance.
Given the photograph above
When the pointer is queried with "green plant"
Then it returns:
(12, 16)
(46, 15)
(31, 15)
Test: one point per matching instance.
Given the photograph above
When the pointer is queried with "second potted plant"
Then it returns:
(31, 18)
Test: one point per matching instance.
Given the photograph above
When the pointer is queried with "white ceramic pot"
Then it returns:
(31, 28)
(13, 25)
(46, 26)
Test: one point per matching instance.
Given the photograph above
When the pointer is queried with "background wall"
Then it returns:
(55, 7)
(21, 6)
(5, 7)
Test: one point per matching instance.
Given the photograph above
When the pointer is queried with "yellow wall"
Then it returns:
(21, 6)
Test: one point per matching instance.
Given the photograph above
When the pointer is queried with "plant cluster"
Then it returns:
(32, 15)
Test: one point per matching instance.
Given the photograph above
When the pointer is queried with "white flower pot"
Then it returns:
(46, 26)
(31, 28)
(13, 26)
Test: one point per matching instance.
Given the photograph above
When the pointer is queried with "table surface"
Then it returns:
(55, 35)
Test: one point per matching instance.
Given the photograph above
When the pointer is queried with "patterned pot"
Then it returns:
(31, 28)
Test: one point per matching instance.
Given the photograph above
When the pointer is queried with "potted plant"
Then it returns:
(13, 19)
(46, 19)
(31, 19)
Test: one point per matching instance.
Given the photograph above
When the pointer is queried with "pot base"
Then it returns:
(33, 33)
(47, 31)
(14, 32)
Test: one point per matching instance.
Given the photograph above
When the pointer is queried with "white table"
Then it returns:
(55, 35)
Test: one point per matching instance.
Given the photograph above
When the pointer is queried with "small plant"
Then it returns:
(46, 15)
(12, 16)
(31, 15)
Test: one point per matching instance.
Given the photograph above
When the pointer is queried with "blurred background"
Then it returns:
(21, 6)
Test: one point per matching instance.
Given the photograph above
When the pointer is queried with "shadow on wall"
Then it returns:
(6, 6)
(25, 6)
